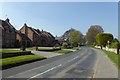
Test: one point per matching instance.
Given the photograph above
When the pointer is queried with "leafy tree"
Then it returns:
(115, 40)
(103, 38)
(114, 43)
(92, 32)
(66, 35)
(75, 38)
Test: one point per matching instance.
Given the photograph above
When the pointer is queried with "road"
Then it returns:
(84, 63)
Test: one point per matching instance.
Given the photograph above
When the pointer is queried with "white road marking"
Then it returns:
(73, 59)
(45, 72)
(26, 71)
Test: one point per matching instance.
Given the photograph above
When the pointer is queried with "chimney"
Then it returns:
(42, 30)
(7, 20)
(25, 24)
(26, 29)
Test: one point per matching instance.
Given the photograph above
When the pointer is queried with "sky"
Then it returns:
(57, 17)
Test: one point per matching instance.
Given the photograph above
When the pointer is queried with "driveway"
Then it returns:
(46, 54)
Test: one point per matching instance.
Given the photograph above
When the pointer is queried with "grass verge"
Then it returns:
(75, 48)
(8, 51)
(62, 51)
(30, 48)
(114, 57)
(19, 59)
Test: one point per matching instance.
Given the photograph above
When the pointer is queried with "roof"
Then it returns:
(6, 23)
(40, 33)
(47, 34)
(23, 36)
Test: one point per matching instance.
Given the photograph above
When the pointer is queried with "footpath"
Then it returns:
(104, 68)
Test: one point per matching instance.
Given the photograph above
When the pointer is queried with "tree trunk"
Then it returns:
(101, 47)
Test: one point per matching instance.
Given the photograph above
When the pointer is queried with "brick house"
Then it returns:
(27, 36)
(31, 34)
(37, 37)
(22, 39)
(8, 34)
(47, 39)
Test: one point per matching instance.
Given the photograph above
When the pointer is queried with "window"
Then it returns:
(7, 30)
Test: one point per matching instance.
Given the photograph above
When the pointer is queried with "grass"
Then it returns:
(31, 49)
(62, 51)
(19, 59)
(114, 57)
(8, 51)
(75, 48)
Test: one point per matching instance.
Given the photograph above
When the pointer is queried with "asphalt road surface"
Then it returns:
(84, 63)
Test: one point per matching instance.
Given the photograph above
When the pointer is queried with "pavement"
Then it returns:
(45, 54)
(84, 63)
(105, 68)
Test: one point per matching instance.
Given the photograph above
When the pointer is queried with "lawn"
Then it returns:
(114, 57)
(8, 51)
(75, 48)
(62, 51)
(19, 59)
(31, 48)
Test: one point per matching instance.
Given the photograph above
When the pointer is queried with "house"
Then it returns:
(8, 34)
(31, 34)
(22, 39)
(37, 37)
(26, 36)
(47, 39)
(60, 40)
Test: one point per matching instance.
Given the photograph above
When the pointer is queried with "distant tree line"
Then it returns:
(94, 36)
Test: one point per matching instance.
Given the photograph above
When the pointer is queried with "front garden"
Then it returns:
(11, 58)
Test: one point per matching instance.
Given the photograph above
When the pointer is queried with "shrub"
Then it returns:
(65, 45)
(23, 48)
(56, 45)
(118, 45)
(115, 44)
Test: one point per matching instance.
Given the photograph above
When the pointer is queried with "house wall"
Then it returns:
(8, 35)
(0, 36)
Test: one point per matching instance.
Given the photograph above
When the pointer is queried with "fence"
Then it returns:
(109, 49)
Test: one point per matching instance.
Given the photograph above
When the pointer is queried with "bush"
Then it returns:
(114, 45)
(23, 48)
(65, 45)
(56, 45)
(118, 45)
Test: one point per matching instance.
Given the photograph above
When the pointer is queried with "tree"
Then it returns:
(103, 39)
(66, 35)
(114, 43)
(65, 45)
(75, 38)
(92, 32)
